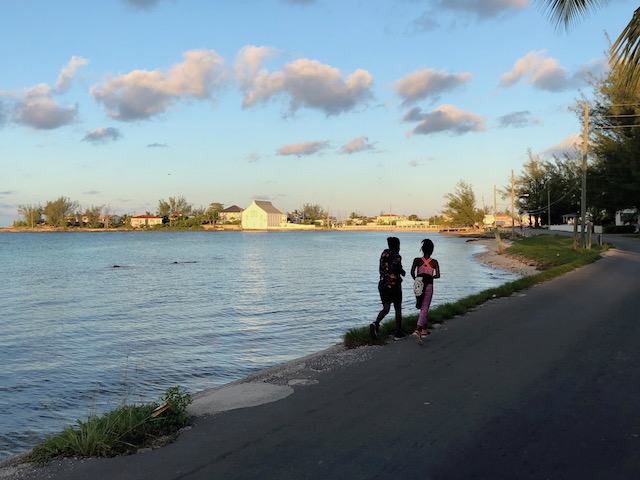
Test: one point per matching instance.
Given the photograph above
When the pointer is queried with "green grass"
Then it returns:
(122, 431)
(553, 254)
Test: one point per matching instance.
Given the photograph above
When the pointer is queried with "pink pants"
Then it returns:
(426, 303)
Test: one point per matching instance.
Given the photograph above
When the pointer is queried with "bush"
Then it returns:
(119, 432)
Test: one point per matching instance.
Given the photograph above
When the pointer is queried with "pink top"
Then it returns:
(426, 267)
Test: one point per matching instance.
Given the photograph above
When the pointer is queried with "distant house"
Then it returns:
(501, 220)
(390, 219)
(627, 216)
(145, 221)
(231, 214)
(261, 215)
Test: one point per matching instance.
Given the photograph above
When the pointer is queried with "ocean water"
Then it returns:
(89, 320)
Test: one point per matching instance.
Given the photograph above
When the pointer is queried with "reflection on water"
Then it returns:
(196, 309)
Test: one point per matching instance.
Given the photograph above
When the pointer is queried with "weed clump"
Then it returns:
(122, 431)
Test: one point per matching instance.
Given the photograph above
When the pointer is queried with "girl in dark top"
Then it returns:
(427, 268)
(390, 287)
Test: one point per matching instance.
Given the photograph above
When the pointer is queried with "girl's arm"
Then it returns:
(436, 268)
(414, 265)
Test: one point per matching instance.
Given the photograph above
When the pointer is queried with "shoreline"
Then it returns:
(503, 261)
(277, 382)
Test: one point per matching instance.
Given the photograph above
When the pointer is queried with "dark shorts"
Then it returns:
(390, 295)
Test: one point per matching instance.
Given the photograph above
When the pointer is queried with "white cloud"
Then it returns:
(547, 74)
(248, 62)
(142, 4)
(253, 157)
(38, 109)
(569, 145)
(465, 10)
(306, 83)
(302, 148)
(428, 83)
(102, 135)
(358, 144)
(518, 120)
(482, 9)
(68, 72)
(141, 94)
(445, 118)
(4, 116)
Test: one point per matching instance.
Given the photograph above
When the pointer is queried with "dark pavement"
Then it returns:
(542, 385)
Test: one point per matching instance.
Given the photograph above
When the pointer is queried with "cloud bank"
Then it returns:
(547, 74)
(428, 83)
(142, 94)
(102, 135)
(445, 118)
(303, 82)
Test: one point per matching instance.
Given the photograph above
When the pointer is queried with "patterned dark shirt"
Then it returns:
(390, 269)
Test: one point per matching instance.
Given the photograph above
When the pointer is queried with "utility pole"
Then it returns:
(548, 207)
(583, 196)
(513, 208)
(495, 211)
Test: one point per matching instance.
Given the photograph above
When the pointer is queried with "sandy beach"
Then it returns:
(503, 261)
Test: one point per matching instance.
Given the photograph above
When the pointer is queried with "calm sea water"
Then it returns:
(197, 309)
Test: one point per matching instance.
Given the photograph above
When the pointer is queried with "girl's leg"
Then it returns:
(424, 308)
(397, 306)
(385, 309)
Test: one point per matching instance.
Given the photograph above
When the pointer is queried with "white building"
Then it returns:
(145, 221)
(231, 214)
(261, 215)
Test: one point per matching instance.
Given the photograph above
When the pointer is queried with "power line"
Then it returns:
(598, 127)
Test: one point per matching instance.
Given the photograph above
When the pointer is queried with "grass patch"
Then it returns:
(122, 431)
(553, 254)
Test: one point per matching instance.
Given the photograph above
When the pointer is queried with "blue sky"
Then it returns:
(368, 107)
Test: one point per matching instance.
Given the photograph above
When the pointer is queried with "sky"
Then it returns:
(358, 106)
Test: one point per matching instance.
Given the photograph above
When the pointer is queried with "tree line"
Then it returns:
(545, 190)
(175, 211)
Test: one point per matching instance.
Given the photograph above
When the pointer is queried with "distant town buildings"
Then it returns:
(231, 214)
(145, 221)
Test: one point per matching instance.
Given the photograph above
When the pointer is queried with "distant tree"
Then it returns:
(92, 215)
(437, 220)
(126, 220)
(57, 211)
(32, 214)
(530, 187)
(461, 206)
(312, 213)
(614, 180)
(213, 212)
(106, 216)
(413, 217)
(174, 207)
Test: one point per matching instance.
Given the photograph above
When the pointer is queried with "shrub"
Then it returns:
(119, 432)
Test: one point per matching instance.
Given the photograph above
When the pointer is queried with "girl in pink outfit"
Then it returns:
(427, 268)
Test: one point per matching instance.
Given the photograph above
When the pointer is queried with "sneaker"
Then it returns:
(399, 336)
(373, 331)
(424, 333)
(416, 337)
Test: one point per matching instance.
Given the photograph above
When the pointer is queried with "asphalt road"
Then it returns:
(542, 385)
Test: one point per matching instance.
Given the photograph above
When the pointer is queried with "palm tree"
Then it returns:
(625, 51)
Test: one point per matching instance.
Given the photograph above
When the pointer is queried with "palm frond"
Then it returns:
(625, 53)
(565, 13)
